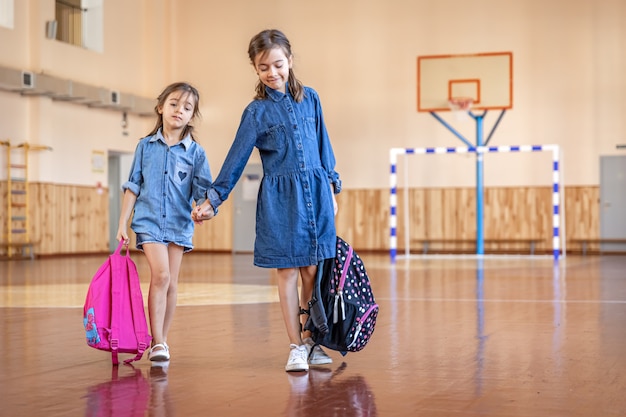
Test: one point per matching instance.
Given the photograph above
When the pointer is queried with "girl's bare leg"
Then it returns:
(306, 292)
(158, 259)
(175, 254)
(289, 303)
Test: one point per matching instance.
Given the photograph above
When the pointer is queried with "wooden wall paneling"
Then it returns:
(418, 218)
(47, 220)
(68, 219)
(582, 215)
(35, 213)
(95, 222)
(3, 209)
(434, 215)
(363, 218)
(461, 206)
(518, 213)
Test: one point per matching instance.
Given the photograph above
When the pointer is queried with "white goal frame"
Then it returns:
(558, 233)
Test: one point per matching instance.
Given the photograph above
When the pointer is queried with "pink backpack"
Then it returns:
(113, 315)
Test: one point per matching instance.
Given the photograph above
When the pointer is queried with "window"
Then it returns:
(69, 16)
(79, 22)
(6, 14)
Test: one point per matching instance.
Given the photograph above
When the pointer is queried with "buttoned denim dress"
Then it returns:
(295, 222)
(166, 179)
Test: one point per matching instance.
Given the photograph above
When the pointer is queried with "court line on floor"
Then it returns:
(500, 300)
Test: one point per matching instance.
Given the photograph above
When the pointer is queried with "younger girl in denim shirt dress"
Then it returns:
(169, 171)
(296, 206)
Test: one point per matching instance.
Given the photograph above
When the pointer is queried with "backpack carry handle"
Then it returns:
(317, 312)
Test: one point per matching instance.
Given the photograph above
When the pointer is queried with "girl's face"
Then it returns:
(273, 66)
(177, 110)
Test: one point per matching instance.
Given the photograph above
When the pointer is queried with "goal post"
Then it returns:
(557, 206)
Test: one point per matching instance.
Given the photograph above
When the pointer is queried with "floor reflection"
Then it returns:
(130, 393)
(121, 396)
(327, 392)
(481, 337)
(160, 404)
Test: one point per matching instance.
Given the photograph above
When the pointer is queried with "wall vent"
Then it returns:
(28, 79)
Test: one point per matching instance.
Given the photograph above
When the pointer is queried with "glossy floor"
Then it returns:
(455, 337)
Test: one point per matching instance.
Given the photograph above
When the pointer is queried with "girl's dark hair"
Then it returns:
(263, 42)
(184, 88)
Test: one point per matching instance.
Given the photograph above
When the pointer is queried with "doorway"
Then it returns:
(118, 168)
(613, 201)
(244, 208)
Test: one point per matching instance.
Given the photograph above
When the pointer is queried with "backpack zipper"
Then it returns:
(339, 295)
(359, 326)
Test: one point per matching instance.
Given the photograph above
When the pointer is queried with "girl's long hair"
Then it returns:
(184, 88)
(263, 42)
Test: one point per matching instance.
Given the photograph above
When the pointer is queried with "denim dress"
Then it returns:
(295, 221)
(166, 179)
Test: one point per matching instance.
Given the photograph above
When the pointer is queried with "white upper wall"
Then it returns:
(569, 60)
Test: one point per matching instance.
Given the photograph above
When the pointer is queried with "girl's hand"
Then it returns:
(121, 234)
(202, 212)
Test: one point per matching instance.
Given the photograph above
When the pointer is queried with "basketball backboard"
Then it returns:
(485, 78)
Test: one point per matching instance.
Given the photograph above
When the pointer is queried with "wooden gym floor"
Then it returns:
(455, 337)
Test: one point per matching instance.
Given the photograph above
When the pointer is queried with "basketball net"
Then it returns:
(460, 106)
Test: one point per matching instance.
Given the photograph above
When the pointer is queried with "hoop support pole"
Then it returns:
(493, 129)
(451, 129)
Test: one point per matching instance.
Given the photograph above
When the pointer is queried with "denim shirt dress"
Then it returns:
(295, 221)
(166, 179)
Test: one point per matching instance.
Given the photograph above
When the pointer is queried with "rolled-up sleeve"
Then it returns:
(135, 178)
(202, 180)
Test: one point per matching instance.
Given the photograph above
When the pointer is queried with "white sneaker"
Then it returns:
(316, 354)
(297, 359)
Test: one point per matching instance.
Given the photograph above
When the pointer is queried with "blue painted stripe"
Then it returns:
(515, 148)
(537, 148)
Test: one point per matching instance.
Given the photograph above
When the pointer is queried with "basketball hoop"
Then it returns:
(460, 106)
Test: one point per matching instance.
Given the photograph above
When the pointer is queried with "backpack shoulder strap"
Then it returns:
(139, 320)
(116, 294)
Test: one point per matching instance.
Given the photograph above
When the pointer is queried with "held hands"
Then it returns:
(202, 212)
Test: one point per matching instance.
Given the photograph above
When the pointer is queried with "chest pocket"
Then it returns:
(182, 175)
(310, 131)
(273, 139)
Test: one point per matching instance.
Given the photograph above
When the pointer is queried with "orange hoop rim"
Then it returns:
(460, 103)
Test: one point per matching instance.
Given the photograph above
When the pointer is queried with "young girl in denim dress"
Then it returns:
(296, 206)
(170, 170)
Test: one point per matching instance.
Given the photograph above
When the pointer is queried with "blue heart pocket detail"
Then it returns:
(182, 175)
